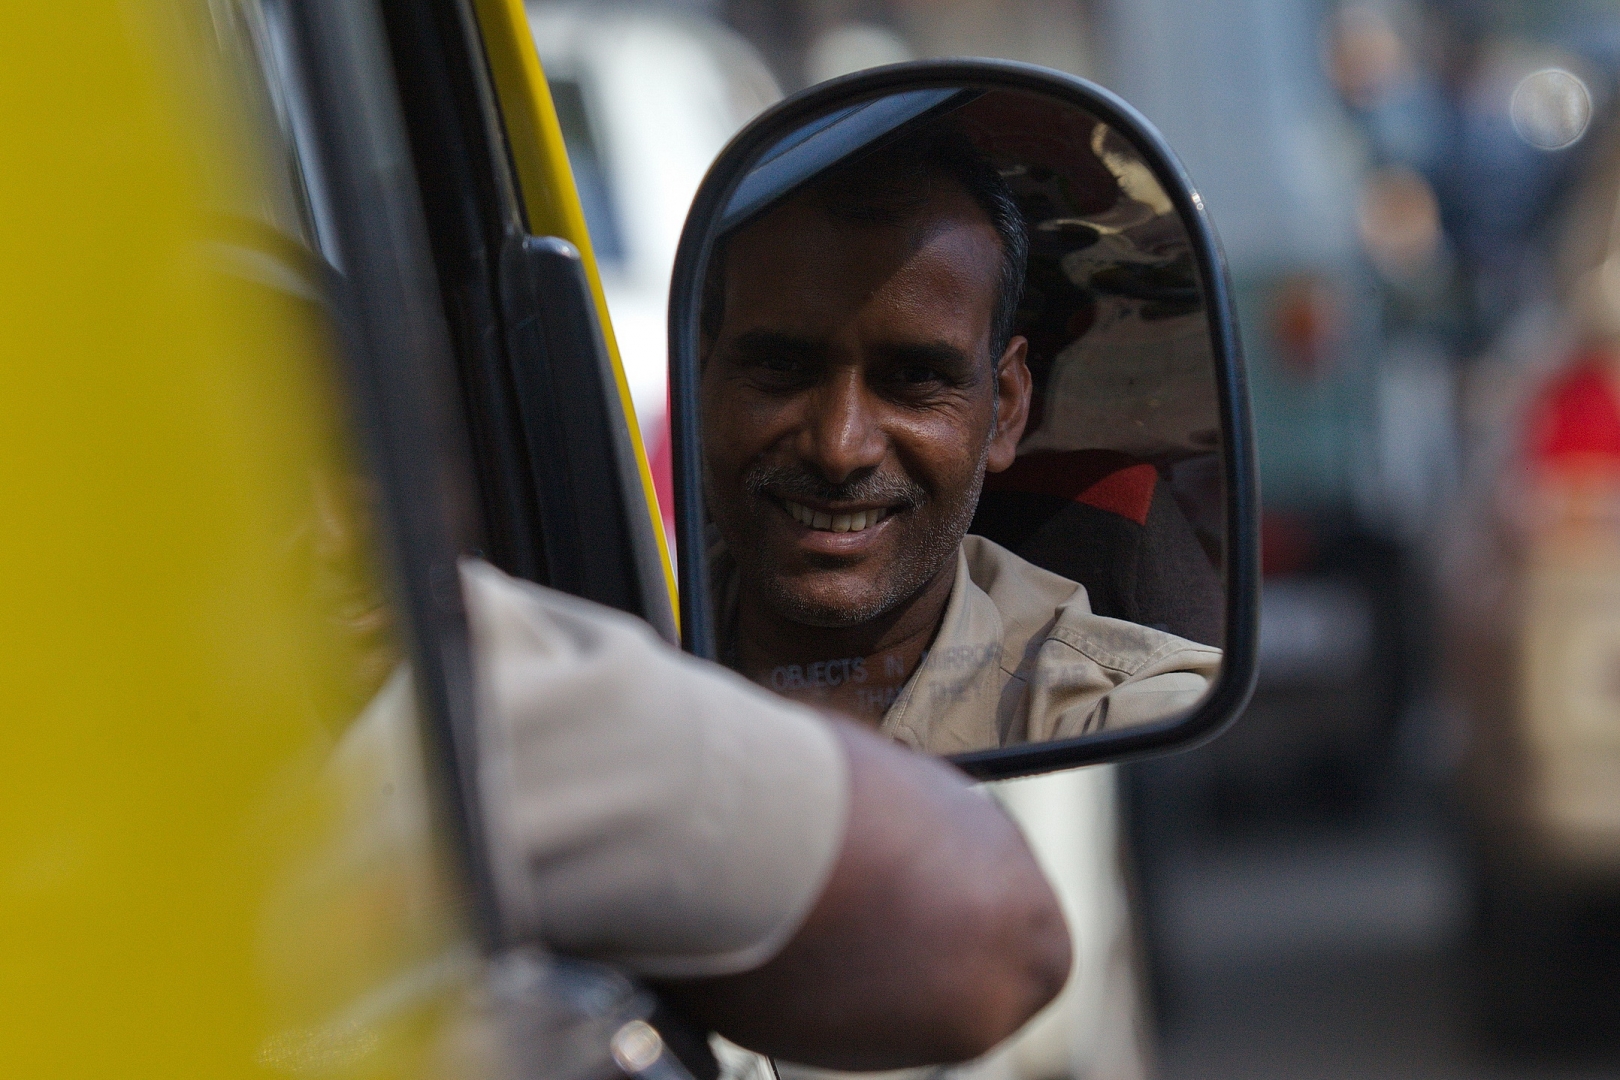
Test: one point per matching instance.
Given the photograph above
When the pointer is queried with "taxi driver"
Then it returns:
(860, 377)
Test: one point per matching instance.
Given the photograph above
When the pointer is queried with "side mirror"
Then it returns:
(961, 435)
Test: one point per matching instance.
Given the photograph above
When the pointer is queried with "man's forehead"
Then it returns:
(883, 220)
(804, 263)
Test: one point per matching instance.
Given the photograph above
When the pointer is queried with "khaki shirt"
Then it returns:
(1020, 657)
(642, 806)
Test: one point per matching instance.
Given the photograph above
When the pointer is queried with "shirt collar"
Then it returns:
(950, 703)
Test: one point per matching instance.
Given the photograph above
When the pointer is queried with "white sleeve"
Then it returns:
(642, 806)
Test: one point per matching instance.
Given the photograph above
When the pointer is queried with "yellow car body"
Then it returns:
(218, 856)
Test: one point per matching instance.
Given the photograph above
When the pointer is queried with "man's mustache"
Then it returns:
(801, 486)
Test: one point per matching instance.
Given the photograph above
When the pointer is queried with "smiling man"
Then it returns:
(860, 378)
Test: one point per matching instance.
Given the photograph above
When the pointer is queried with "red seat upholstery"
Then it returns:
(1111, 523)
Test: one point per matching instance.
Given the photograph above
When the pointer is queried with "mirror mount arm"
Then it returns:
(596, 534)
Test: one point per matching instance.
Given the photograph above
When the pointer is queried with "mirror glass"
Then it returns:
(960, 437)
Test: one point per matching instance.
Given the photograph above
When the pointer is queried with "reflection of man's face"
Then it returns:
(851, 404)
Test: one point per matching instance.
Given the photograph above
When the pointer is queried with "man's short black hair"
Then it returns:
(888, 185)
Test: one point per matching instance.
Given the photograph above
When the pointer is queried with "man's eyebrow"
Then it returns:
(755, 343)
(940, 354)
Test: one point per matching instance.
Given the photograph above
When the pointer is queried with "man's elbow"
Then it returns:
(1022, 974)
(1050, 959)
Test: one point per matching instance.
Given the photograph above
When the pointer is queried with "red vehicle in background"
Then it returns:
(1530, 607)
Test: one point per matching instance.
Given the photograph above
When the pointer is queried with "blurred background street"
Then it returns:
(1404, 860)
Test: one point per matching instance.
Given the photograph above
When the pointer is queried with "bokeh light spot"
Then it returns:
(1551, 109)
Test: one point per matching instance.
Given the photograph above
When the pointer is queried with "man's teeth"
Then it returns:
(861, 519)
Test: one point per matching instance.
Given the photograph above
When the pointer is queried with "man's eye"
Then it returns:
(781, 365)
(919, 374)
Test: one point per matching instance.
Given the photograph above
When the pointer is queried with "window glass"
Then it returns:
(590, 172)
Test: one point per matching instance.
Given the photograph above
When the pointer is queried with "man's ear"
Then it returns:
(1013, 387)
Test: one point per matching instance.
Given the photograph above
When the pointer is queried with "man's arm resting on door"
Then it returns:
(800, 885)
(935, 938)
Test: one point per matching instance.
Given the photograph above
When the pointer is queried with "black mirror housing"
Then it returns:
(1158, 284)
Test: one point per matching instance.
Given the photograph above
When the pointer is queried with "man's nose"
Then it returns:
(842, 435)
